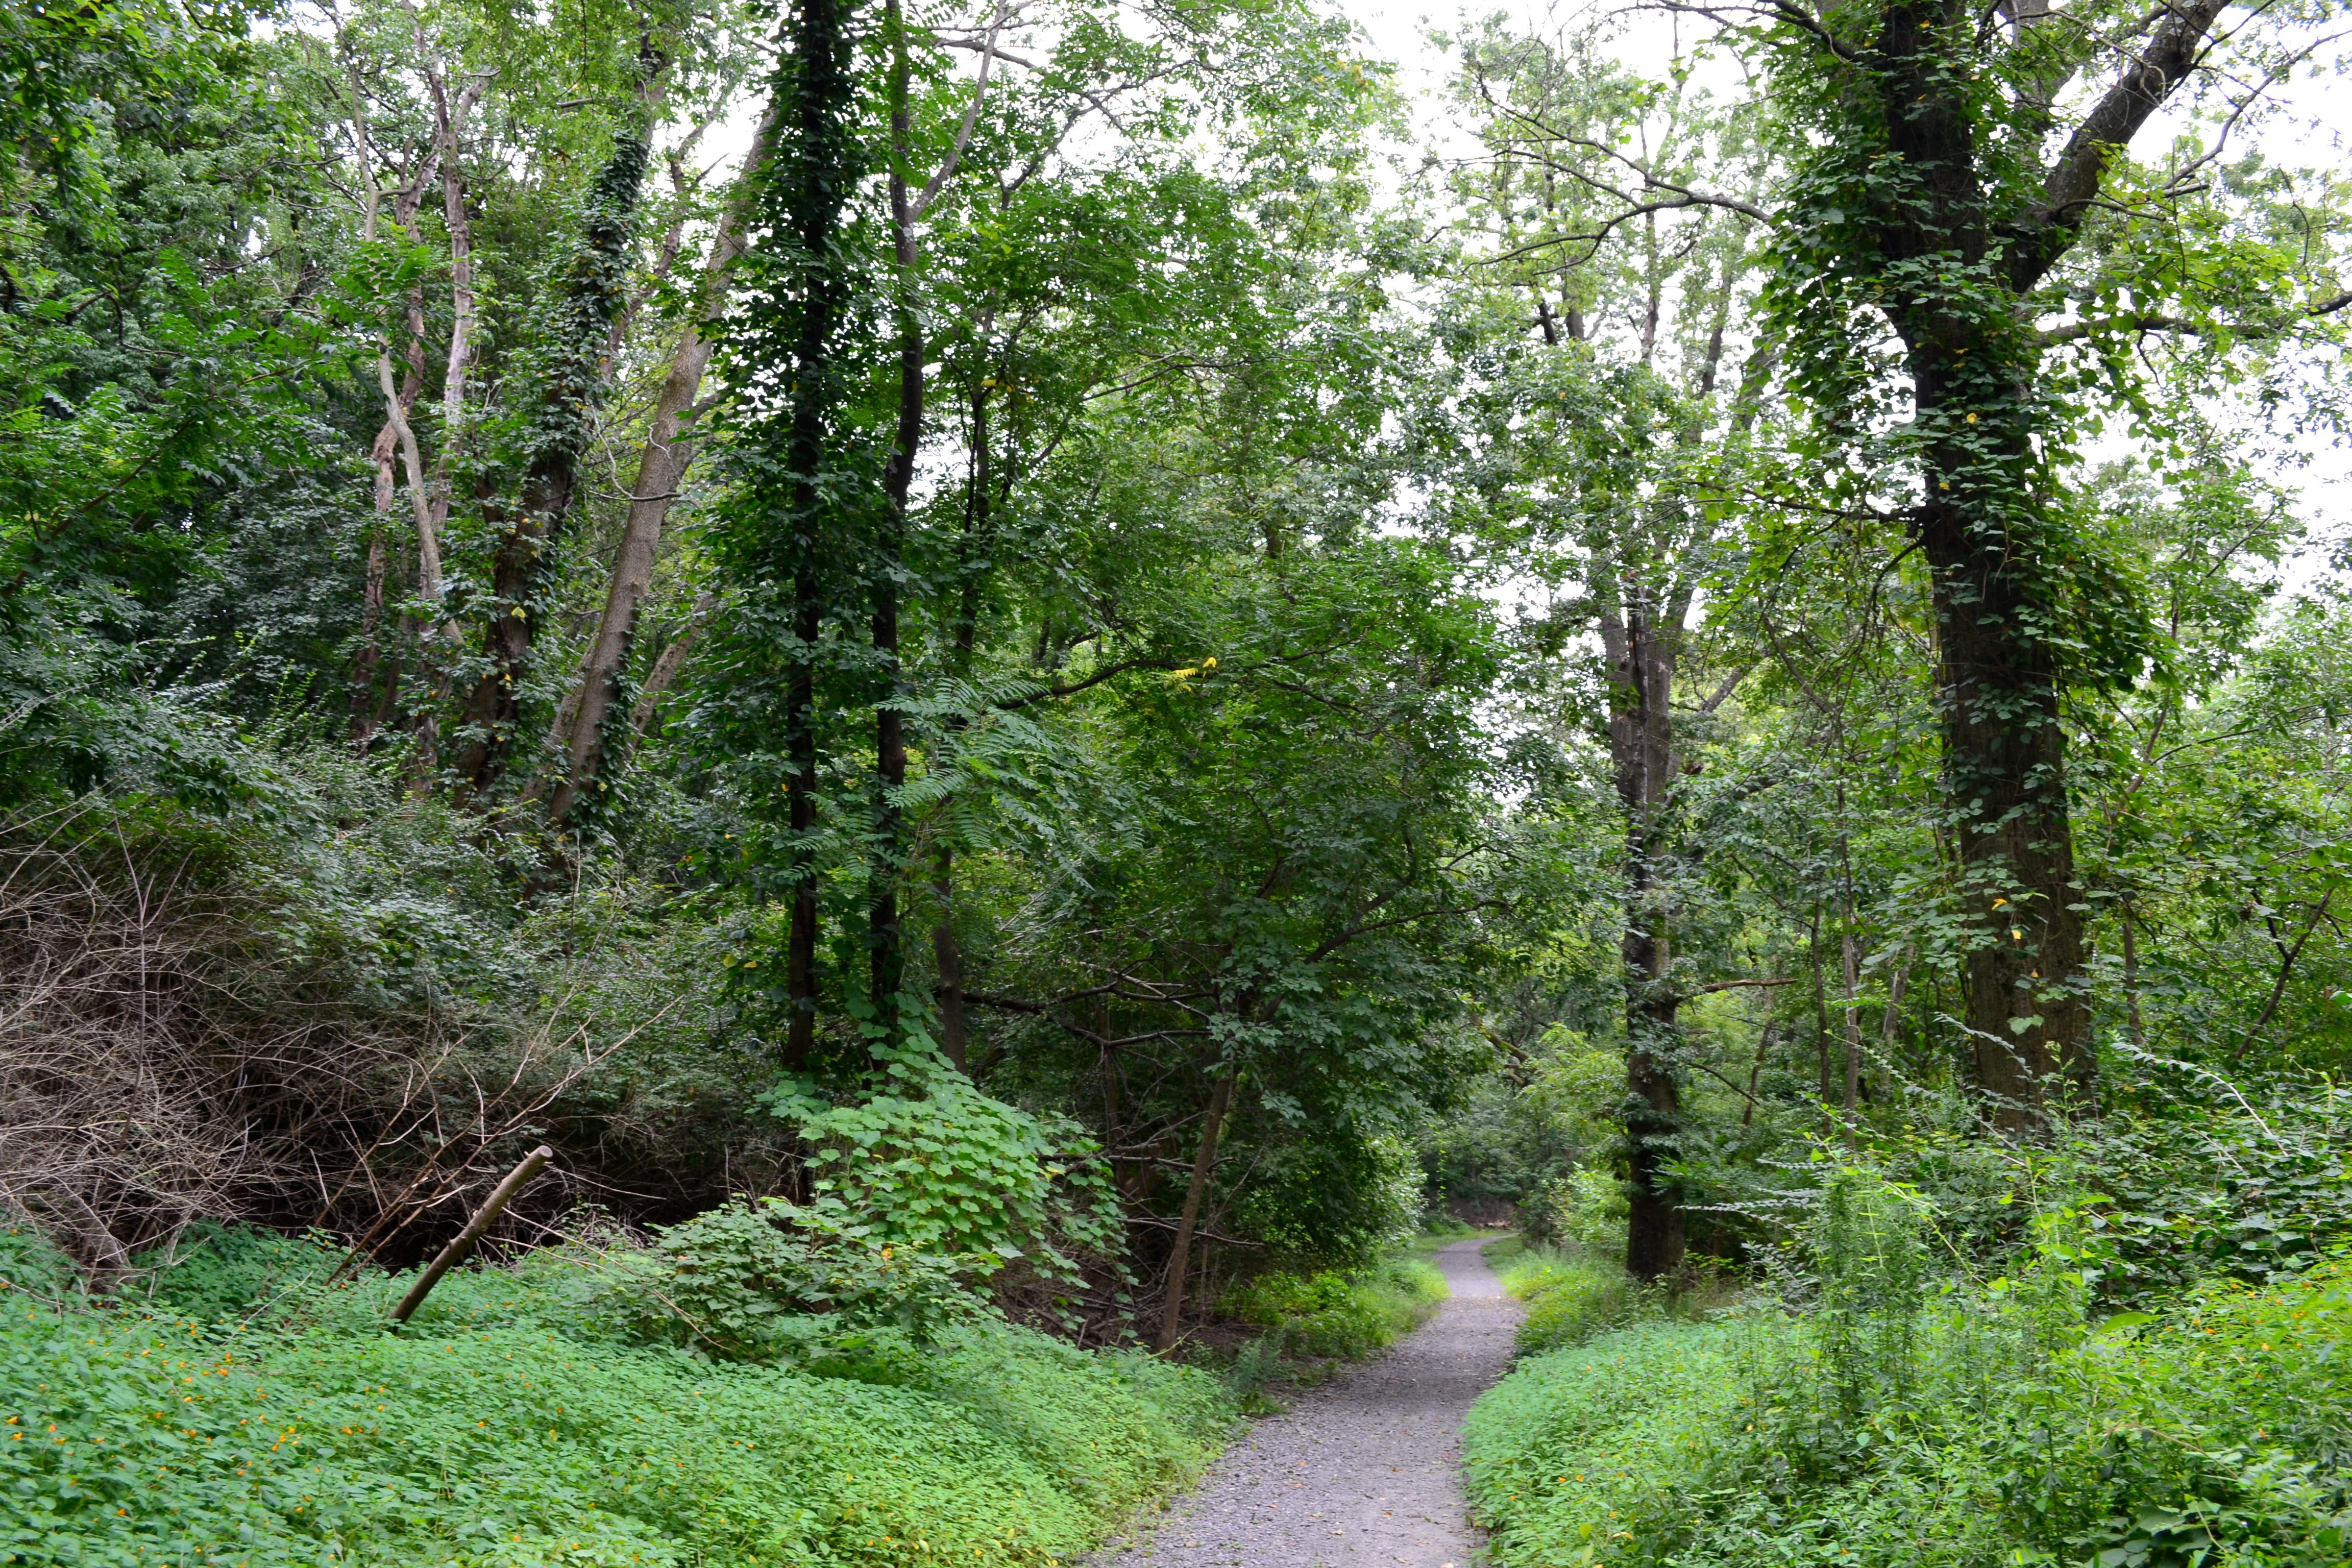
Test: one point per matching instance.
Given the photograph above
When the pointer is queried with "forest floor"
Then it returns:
(1362, 1473)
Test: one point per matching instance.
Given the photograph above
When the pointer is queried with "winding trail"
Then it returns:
(1360, 1473)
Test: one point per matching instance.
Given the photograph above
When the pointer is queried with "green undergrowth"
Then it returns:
(1901, 1419)
(1313, 1321)
(1570, 1296)
(510, 1427)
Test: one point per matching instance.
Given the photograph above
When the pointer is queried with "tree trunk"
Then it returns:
(2004, 760)
(888, 862)
(2131, 978)
(954, 1029)
(433, 504)
(1180, 1257)
(570, 385)
(671, 660)
(1959, 260)
(948, 957)
(1642, 656)
(1851, 953)
(583, 735)
(395, 441)
(817, 96)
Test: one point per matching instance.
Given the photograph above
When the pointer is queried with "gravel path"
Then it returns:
(1360, 1473)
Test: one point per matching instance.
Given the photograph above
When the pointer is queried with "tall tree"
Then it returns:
(1944, 168)
(1602, 432)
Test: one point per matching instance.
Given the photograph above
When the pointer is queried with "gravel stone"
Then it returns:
(1360, 1473)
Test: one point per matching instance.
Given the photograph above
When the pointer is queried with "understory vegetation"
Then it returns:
(1307, 1322)
(1901, 1386)
(244, 1407)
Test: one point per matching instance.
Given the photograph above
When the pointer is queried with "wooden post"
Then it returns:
(454, 1253)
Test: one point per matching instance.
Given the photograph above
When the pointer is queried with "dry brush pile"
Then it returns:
(184, 1037)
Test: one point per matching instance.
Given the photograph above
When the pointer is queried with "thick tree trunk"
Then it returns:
(584, 734)
(2004, 745)
(1983, 524)
(1180, 1257)
(1642, 654)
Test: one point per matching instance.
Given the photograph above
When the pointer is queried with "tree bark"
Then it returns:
(671, 660)
(2131, 977)
(1180, 1257)
(1851, 953)
(1642, 654)
(888, 858)
(476, 1228)
(395, 441)
(1974, 361)
(584, 737)
(947, 958)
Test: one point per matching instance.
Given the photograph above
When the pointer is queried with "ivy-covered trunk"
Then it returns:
(565, 385)
(2004, 748)
(1982, 528)
(817, 166)
(593, 730)
(888, 859)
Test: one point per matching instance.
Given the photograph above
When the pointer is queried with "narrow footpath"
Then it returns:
(1362, 1473)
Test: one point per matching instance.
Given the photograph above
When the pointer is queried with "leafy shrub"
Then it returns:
(1336, 1201)
(1904, 1420)
(1585, 1209)
(1586, 1455)
(2261, 1190)
(777, 1282)
(214, 1271)
(954, 1171)
(501, 1431)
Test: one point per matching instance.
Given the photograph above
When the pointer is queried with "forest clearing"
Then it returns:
(802, 783)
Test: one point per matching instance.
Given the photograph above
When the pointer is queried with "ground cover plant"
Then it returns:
(1569, 1295)
(520, 1420)
(1284, 1330)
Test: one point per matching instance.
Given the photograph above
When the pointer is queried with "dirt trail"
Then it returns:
(1359, 1474)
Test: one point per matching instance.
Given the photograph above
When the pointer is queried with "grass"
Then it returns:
(504, 1430)
(1312, 1323)
(1963, 1425)
(1570, 1295)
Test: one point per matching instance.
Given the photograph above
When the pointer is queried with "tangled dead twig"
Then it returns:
(165, 1061)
